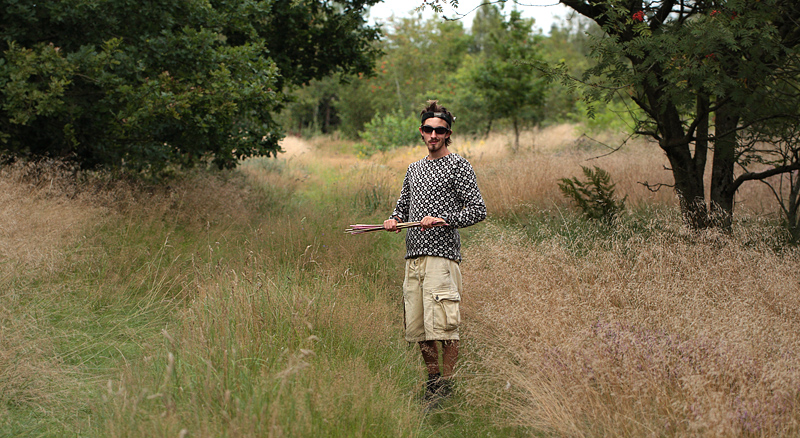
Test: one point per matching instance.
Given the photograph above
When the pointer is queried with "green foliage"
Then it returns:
(595, 196)
(383, 133)
(722, 67)
(568, 46)
(613, 116)
(504, 76)
(472, 117)
(488, 76)
(176, 83)
(312, 108)
(419, 57)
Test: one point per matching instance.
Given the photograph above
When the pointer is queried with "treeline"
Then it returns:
(487, 75)
(150, 88)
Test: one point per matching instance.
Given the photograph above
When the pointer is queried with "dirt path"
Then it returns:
(293, 147)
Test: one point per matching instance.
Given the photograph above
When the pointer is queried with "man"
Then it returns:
(441, 192)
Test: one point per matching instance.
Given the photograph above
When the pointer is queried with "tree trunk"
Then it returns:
(793, 212)
(488, 128)
(722, 166)
(687, 169)
(699, 211)
(327, 123)
(701, 134)
(689, 186)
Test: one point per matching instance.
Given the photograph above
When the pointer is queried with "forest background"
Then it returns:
(484, 70)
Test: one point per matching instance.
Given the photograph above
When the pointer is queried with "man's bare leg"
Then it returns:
(439, 385)
(430, 354)
(449, 357)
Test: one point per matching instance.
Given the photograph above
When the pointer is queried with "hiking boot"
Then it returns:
(432, 387)
(445, 388)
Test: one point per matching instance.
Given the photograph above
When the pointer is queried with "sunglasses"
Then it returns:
(440, 130)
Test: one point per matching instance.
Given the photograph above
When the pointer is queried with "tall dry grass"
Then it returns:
(229, 304)
(298, 336)
(257, 356)
(87, 267)
(645, 329)
(38, 219)
(516, 182)
(661, 333)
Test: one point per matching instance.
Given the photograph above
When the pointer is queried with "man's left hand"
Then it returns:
(430, 222)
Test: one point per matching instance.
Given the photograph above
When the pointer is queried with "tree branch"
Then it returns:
(750, 176)
(588, 10)
(655, 187)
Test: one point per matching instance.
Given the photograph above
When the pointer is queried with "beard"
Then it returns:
(434, 147)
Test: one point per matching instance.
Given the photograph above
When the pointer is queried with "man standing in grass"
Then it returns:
(441, 192)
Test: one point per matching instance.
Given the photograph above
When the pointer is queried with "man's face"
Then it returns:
(434, 141)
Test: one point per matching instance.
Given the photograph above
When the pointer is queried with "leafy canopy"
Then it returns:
(121, 84)
(503, 76)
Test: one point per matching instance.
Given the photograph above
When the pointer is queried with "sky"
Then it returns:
(545, 12)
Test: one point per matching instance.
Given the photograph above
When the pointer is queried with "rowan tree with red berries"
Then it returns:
(717, 80)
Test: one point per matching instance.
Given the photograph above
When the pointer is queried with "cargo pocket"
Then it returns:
(447, 315)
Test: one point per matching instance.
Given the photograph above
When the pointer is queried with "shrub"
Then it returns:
(595, 197)
(388, 132)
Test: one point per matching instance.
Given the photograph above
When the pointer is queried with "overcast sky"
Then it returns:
(545, 12)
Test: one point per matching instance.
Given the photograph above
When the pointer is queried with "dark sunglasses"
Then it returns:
(440, 130)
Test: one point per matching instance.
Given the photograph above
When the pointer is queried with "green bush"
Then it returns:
(595, 197)
(383, 133)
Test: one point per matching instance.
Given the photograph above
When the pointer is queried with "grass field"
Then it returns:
(234, 305)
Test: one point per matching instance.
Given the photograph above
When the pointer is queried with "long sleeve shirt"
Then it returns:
(446, 188)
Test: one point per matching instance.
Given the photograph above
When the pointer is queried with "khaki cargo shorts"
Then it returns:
(431, 294)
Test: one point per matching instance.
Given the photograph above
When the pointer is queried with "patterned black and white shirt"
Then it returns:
(447, 188)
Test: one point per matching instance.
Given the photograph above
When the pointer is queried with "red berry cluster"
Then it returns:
(716, 12)
(638, 16)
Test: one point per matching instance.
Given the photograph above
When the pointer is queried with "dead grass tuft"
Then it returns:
(38, 216)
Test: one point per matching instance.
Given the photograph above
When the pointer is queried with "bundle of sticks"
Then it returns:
(365, 228)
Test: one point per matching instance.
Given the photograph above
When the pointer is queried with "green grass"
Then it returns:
(263, 320)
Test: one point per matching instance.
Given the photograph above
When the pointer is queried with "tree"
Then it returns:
(420, 57)
(569, 43)
(709, 74)
(486, 27)
(117, 83)
(312, 108)
(783, 153)
(504, 77)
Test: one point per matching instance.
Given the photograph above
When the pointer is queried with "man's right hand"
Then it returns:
(390, 225)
